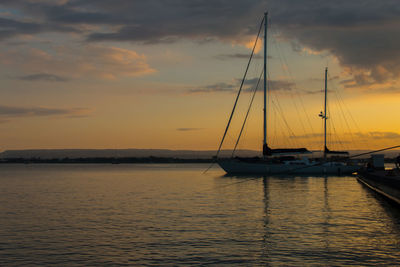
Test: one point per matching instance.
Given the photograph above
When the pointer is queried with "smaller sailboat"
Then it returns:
(283, 165)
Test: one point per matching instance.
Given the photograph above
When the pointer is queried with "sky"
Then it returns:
(165, 73)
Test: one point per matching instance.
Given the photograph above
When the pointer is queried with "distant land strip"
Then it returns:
(117, 156)
(120, 153)
(130, 160)
(104, 160)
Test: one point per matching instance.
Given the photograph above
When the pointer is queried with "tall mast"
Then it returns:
(265, 84)
(325, 115)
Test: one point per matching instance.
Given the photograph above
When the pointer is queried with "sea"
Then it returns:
(177, 215)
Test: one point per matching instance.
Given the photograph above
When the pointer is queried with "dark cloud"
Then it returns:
(188, 129)
(11, 27)
(364, 35)
(43, 77)
(12, 111)
(151, 21)
(158, 21)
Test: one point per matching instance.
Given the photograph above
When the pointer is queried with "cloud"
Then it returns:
(320, 79)
(279, 85)
(378, 135)
(43, 77)
(7, 112)
(217, 87)
(188, 129)
(307, 136)
(273, 85)
(237, 56)
(93, 61)
(309, 92)
(249, 84)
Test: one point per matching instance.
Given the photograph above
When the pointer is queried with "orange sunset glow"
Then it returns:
(96, 74)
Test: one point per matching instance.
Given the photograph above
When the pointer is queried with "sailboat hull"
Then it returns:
(267, 168)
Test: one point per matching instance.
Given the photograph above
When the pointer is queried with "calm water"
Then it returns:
(175, 215)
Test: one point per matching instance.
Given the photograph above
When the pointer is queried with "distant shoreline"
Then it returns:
(119, 160)
(128, 160)
(133, 155)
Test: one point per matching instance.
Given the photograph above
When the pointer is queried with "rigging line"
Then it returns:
(283, 118)
(333, 123)
(374, 151)
(285, 140)
(330, 129)
(347, 124)
(335, 137)
(349, 113)
(247, 114)
(285, 70)
(237, 97)
(230, 137)
(280, 110)
(353, 121)
(335, 140)
(273, 141)
(289, 72)
(285, 67)
(240, 90)
(322, 133)
(339, 104)
(344, 118)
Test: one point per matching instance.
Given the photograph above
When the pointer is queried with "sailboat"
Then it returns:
(283, 165)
